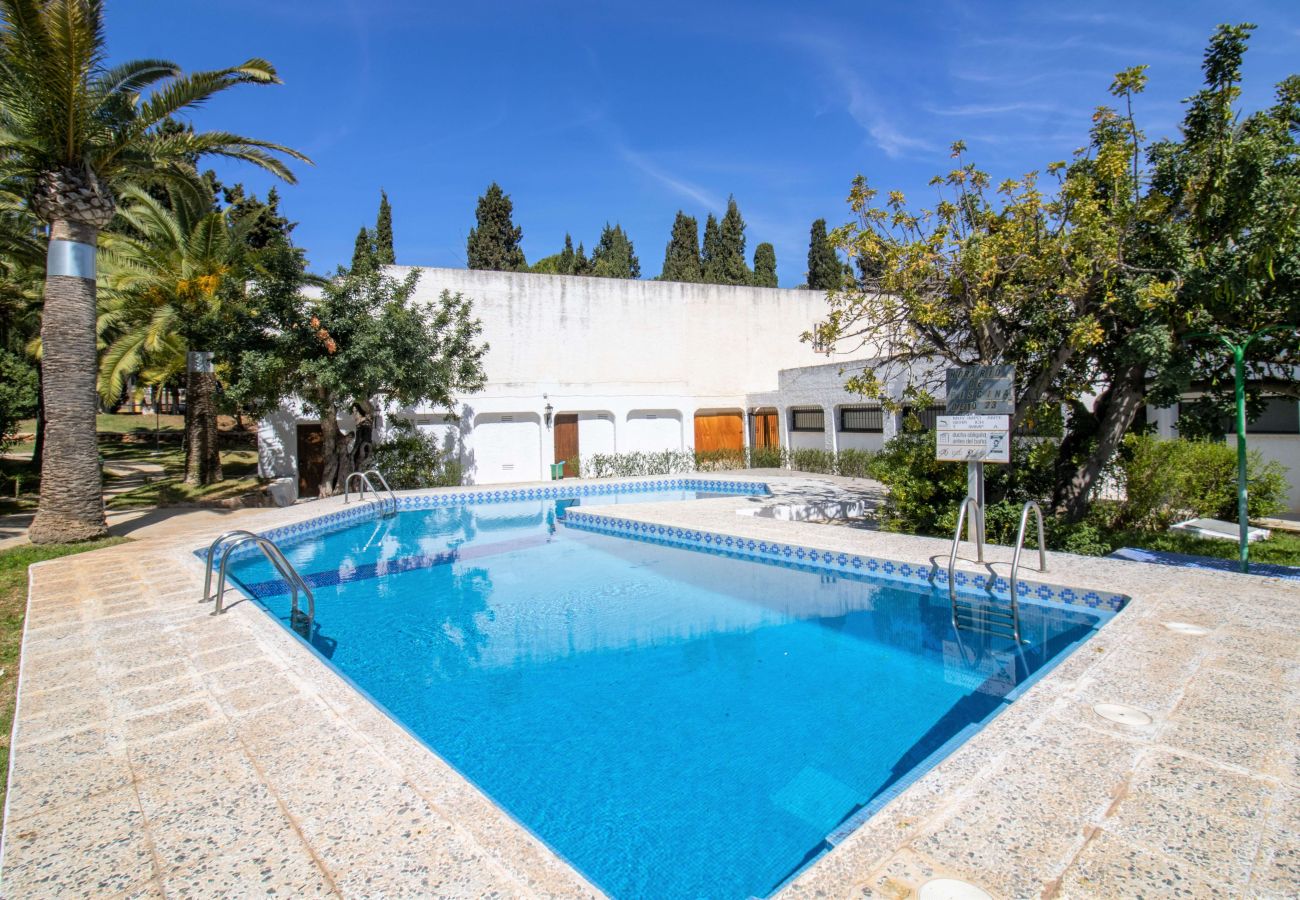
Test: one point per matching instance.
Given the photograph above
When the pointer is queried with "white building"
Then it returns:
(578, 366)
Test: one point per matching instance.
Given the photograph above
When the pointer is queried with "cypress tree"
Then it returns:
(363, 252)
(765, 265)
(384, 254)
(613, 256)
(732, 233)
(682, 256)
(711, 255)
(825, 271)
(567, 258)
(580, 264)
(494, 241)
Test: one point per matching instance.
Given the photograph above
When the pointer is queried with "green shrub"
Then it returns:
(923, 492)
(821, 462)
(1167, 480)
(766, 458)
(719, 460)
(18, 394)
(627, 465)
(854, 463)
(411, 459)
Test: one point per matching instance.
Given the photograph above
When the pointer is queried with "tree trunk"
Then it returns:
(202, 453)
(72, 503)
(1123, 401)
(363, 439)
(38, 448)
(329, 446)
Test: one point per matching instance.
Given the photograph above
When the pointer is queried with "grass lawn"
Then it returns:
(13, 608)
(238, 466)
(121, 423)
(1282, 549)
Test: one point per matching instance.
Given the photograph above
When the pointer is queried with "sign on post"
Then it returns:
(974, 439)
(981, 390)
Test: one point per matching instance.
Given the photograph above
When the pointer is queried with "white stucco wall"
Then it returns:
(598, 347)
(1282, 448)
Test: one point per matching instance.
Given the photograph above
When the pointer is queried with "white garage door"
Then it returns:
(504, 447)
(654, 429)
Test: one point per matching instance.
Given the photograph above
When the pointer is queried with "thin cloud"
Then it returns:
(992, 109)
(681, 186)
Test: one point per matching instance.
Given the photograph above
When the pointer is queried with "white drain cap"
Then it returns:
(1187, 628)
(952, 889)
(1121, 714)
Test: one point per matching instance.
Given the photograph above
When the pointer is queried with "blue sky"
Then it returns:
(587, 112)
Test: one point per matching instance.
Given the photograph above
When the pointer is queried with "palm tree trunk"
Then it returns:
(72, 503)
(38, 448)
(203, 456)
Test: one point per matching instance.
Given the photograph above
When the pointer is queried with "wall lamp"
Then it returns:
(547, 413)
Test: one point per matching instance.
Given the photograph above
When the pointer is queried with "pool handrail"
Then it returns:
(277, 559)
(367, 483)
(1015, 557)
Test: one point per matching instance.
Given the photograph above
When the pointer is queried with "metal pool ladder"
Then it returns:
(239, 537)
(988, 618)
(364, 477)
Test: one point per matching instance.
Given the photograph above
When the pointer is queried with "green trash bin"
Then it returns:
(557, 470)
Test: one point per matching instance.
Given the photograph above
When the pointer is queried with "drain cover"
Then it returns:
(1187, 629)
(952, 889)
(1124, 715)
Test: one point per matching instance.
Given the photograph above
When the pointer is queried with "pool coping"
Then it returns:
(110, 632)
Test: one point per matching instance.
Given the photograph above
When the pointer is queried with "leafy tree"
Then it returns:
(73, 132)
(711, 254)
(765, 265)
(613, 256)
(825, 272)
(364, 342)
(384, 253)
(1100, 283)
(730, 265)
(494, 241)
(682, 255)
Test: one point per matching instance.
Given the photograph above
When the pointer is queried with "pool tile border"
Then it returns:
(997, 587)
(427, 500)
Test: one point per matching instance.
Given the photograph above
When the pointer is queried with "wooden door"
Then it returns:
(311, 460)
(566, 442)
(765, 430)
(719, 431)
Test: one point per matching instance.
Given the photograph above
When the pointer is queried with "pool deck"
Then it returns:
(160, 751)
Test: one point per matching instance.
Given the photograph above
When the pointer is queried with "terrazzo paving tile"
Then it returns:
(86, 849)
(1111, 867)
(1220, 845)
(270, 865)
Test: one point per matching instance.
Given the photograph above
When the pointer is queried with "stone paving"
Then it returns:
(159, 751)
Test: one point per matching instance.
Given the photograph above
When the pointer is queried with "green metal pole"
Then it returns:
(1239, 361)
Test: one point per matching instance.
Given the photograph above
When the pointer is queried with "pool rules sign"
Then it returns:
(980, 401)
(974, 439)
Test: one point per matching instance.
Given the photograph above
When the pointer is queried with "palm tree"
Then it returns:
(167, 278)
(73, 133)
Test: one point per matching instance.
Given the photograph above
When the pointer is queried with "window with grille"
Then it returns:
(928, 415)
(864, 419)
(807, 420)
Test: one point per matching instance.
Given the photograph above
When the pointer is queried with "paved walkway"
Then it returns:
(160, 751)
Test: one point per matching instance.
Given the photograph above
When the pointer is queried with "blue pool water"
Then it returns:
(677, 724)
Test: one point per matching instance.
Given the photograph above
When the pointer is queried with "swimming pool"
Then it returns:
(674, 723)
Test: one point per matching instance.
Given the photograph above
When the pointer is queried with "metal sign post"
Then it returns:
(980, 401)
